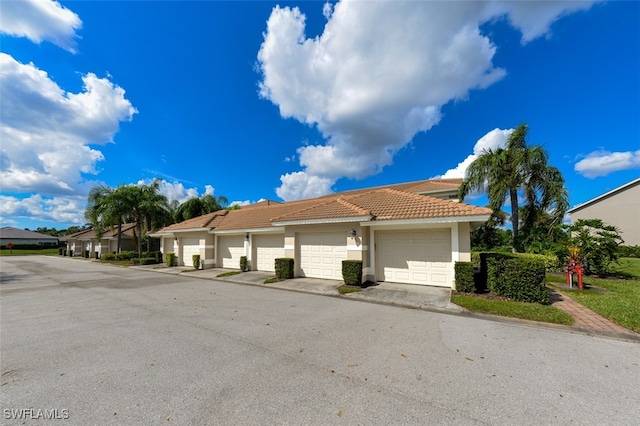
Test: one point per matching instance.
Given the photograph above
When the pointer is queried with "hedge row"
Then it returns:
(144, 261)
(284, 268)
(464, 277)
(519, 278)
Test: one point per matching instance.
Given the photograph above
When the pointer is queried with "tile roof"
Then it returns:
(88, 234)
(390, 202)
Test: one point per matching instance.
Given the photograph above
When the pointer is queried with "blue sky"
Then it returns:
(255, 100)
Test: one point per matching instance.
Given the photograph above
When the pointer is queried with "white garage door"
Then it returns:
(230, 249)
(321, 255)
(414, 257)
(190, 246)
(268, 248)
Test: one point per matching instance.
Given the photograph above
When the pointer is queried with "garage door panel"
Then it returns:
(414, 257)
(230, 249)
(321, 255)
(190, 246)
(268, 249)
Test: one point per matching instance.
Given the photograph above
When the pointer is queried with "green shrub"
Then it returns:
(519, 278)
(85, 254)
(29, 246)
(284, 268)
(551, 263)
(464, 277)
(352, 272)
(59, 251)
(475, 259)
(157, 255)
(243, 263)
(126, 255)
(107, 257)
(170, 259)
(70, 253)
(629, 251)
(196, 261)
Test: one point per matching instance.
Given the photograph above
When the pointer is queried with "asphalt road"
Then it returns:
(96, 344)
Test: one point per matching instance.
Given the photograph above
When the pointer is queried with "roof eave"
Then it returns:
(428, 221)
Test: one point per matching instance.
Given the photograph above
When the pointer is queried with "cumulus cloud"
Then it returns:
(378, 75)
(46, 131)
(41, 208)
(496, 138)
(40, 20)
(602, 163)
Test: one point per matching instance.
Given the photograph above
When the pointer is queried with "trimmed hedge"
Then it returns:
(629, 251)
(284, 268)
(196, 261)
(126, 255)
(244, 263)
(30, 246)
(464, 277)
(521, 278)
(551, 263)
(170, 259)
(352, 272)
(157, 255)
(108, 257)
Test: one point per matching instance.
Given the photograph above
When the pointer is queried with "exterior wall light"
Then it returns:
(352, 233)
(246, 236)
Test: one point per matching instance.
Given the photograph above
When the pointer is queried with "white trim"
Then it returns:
(605, 195)
(289, 246)
(357, 247)
(321, 221)
(230, 232)
(429, 221)
(372, 253)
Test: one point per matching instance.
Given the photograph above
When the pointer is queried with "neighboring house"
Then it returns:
(17, 236)
(406, 233)
(619, 207)
(108, 242)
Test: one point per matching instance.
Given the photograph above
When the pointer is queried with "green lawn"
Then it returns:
(20, 252)
(628, 267)
(522, 310)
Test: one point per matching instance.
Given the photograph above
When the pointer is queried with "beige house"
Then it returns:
(619, 207)
(406, 233)
(107, 243)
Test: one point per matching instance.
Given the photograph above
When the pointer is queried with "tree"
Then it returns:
(598, 244)
(195, 207)
(505, 173)
(107, 207)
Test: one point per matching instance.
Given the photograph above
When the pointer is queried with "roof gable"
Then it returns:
(611, 193)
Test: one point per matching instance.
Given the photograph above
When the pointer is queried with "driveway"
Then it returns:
(109, 345)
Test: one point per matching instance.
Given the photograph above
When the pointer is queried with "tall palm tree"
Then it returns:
(506, 172)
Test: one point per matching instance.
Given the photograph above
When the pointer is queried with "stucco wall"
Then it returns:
(621, 210)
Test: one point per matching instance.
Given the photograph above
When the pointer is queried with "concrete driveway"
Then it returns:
(108, 345)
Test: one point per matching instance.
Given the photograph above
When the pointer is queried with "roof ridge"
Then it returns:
(355, 207)
(415, 196)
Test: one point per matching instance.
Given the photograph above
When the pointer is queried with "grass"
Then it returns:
(228, 274)
(21, 252)
(522, 310)
(628, 267)
(620, 302)
(271, 280)
(346, 289)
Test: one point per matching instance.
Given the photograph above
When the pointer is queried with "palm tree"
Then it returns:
(506, 172)
(195, 207)
(106, 207)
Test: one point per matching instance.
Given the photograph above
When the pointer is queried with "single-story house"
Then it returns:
(619, 207)
(406, 233)
(17, 236)
(107, 243)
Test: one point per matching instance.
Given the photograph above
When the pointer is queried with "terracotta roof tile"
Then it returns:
(333, 208)
(209, 220)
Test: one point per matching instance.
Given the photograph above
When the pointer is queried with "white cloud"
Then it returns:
(602, 163)
(378, 75)
(39, 208)
(40, 20)
(45, 131)
(496, 138)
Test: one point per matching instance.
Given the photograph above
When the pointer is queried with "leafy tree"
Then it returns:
(106, 208)
(505, 173)
(489, 237)
(598, 244)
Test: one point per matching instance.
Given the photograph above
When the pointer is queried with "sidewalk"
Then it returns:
(409, 296)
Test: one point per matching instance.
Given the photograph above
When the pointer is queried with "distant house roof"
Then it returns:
(7, 232)
(111, 233)
(385, 203)
(605, 195)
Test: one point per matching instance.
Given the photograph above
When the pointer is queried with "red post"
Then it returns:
(579, 270)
